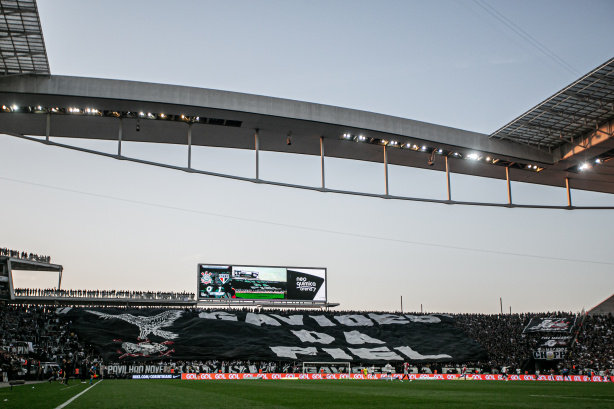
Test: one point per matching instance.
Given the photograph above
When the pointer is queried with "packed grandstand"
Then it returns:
(38, 341)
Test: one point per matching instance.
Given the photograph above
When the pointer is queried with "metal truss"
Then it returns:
(323, 187)
(22, 47)
(579, 109)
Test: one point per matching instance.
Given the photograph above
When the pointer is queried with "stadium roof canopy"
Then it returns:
(604, 307)
(565, 141)
(22, 47)
(568, 115)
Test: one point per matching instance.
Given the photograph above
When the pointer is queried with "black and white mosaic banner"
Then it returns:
(147, 334)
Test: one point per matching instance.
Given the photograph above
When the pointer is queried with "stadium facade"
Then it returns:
(565, 141)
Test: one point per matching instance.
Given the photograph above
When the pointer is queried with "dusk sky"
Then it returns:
(473, 65)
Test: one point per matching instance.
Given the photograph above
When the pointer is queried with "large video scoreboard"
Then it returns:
(261, 283)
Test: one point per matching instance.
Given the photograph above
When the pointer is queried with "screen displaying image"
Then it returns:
(261, 283)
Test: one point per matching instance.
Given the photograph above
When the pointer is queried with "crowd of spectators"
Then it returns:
(24, 255)
(594, 346)
(33, 335)
(133, 295)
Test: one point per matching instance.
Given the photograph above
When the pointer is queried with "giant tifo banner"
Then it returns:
(148, 334)
(560, 325)
(258, 283)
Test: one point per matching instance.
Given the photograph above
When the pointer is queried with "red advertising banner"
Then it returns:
(480, 377)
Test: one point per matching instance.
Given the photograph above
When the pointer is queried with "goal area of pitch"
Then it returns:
(328, 367)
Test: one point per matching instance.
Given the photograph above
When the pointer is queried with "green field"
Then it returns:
(353, 394)
(256, 296)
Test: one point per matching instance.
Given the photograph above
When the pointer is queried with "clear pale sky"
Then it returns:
(119, 225)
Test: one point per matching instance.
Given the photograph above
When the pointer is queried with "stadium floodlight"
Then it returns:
(488, 159)
(15, 108)
(424, 148)
(473, 156)
(362, 138)
(598, 161)
(584, 166)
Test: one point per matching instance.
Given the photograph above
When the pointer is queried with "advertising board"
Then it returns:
(261, 283)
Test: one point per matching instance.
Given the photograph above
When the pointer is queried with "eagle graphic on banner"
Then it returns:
(147, 325)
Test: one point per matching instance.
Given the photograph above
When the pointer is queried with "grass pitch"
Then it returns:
(353, 394)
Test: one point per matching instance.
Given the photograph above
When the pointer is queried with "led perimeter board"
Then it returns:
(261, 283)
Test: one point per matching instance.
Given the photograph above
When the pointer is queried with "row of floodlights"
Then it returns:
(593, 162)
(438, 151)
(120, 114)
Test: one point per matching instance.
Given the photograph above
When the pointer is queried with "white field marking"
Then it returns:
(569, 397)
(63, 389)
(76, 396)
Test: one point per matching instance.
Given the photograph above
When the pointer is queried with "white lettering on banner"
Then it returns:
(233, 376)
(220, 376)
(411, 354)
(322, 321)
(354, 320)
(292, 352)
(489, 377)
(358, 338)
(259, 319)
(316, 376)
(384, 319)
(337, 353)
(218, 315)
(303, 376)
(381, 353)
(290, 320)
(276, 376)
(427, 319)
(450, 376)
(206, 376)
(359, 376)
(190, 376)
(313, 336)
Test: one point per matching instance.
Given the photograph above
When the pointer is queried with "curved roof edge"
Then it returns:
(263, 105)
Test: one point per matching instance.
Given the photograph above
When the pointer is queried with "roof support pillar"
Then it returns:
(385, 170)
(189, 146)
(48, 127)
(509, 185)
(119, 137)
(448, 187)
(322, 162)
(568, 192)
(256, 148)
